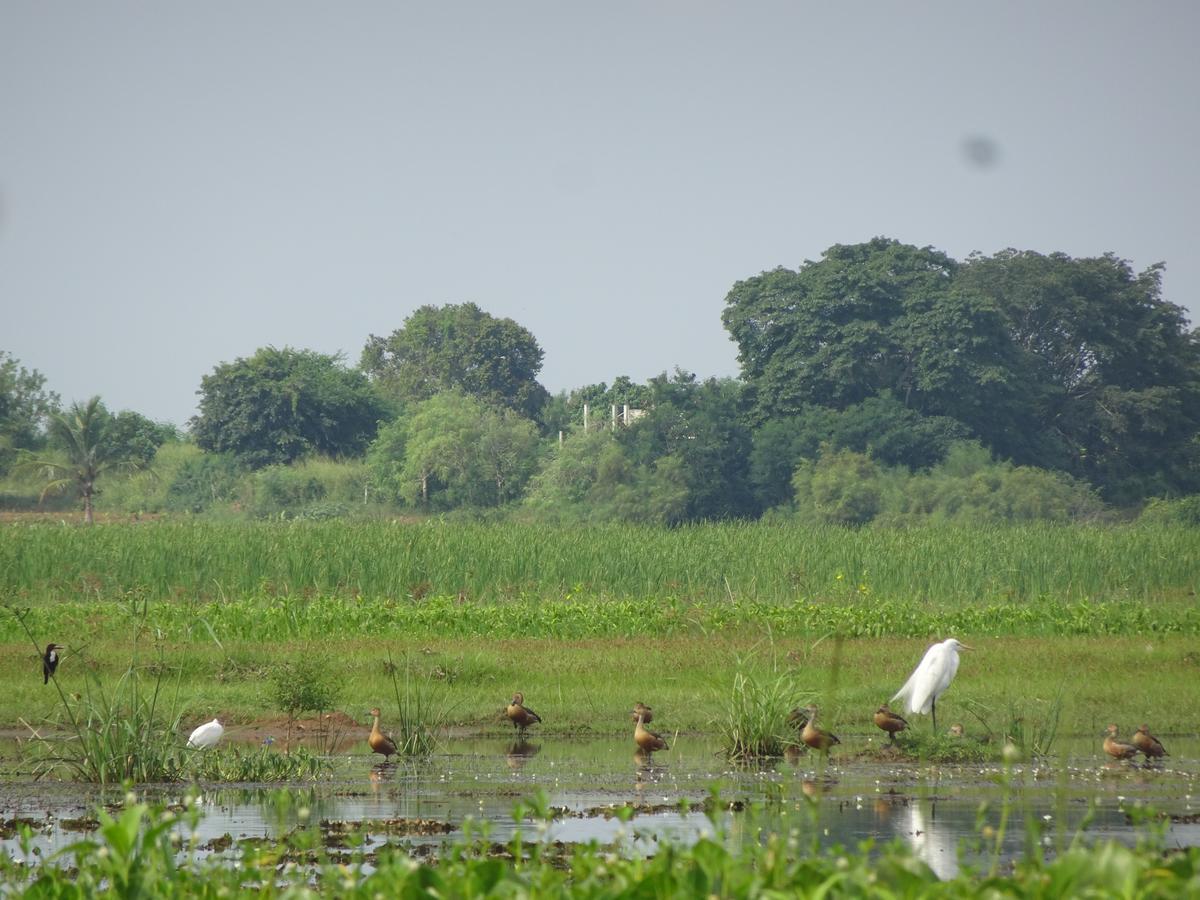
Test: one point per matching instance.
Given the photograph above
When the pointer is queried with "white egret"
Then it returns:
(206, 735)
(931, 678)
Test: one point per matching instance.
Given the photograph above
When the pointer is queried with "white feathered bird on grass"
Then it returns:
(931, 678)
(206, 735)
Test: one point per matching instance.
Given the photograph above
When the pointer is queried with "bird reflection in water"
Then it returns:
(520, 752)
(932, 842)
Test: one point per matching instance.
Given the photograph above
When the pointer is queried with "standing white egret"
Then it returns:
(206, 735)
(931, 678)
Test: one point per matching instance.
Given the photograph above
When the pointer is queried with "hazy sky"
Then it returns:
(181, 184)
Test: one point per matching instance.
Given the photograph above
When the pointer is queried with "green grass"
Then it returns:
(585, 621)
(738, 562)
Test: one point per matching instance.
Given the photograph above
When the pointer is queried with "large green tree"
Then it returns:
(454, 451)
(702, 427)
(280, 405)
(83, 447)
(459, 347)
(865, 319)
(1061, 363)
(1108, 371)
(25, 405)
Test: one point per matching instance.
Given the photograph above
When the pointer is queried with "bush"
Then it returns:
(1183, 511)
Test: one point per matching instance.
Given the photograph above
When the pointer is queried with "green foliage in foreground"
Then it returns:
(138, 852)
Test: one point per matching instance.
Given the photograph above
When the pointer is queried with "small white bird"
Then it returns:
(206, 735)
(931, 678)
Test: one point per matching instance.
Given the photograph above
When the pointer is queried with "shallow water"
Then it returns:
(935, 809)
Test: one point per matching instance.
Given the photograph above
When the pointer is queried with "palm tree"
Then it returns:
(87, 454)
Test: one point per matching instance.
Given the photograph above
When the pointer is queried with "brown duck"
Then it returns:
(890, 722)
(378, 741)
(519, 714)
(647, 740)
(817, 738)
(1115, 747)
(798, 718)
(641, 709)
(1150, 746)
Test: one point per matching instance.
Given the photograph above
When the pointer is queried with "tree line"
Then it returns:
(881, 382)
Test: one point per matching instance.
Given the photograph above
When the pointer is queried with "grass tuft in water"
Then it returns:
(422, 709)
(753, 722)
(237, 764)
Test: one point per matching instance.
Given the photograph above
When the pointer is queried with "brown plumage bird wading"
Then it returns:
(647, 740)
(1150, 746)
(641, 709)
(890, 722)
(1115, 747)
(378, 741)
(521, 715)
(817, 738)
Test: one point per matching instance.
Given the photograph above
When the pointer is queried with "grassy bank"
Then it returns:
(588, 685)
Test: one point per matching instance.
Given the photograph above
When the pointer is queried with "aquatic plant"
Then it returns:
(753, 721)
(258, 765)
(139, 851)
(422, 709)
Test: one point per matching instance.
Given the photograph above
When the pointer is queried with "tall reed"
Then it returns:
(746, 562)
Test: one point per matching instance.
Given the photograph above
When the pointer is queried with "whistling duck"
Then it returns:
(890, 722)
(956, 730)
(49, 662)
(647, 741)
(1115, 747)
(521, 715)
(641, 709)
(377, 740)
(206, 735)
(931, 678)
(1148, 743)
(817, 738)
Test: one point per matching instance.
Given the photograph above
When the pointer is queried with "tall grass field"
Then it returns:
(741, 562)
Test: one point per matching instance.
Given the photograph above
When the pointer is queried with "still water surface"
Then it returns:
(943, 812)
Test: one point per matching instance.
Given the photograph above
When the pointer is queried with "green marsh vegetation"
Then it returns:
(587, 620)
(142, 850)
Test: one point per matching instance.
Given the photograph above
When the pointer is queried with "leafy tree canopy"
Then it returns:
(1108, 372)
(86, 447)
(1060, 363)
(25, 405)
(701, 426)
(280, 405)
(459, 347)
